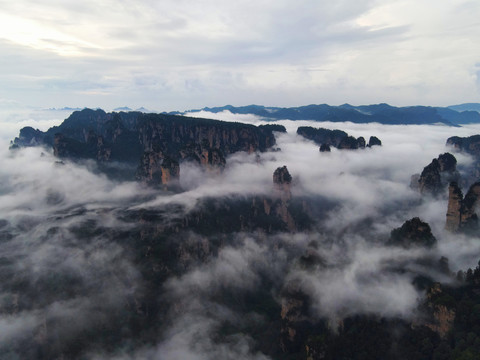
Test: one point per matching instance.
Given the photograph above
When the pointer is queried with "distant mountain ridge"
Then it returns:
(381, 113)
(466, 107)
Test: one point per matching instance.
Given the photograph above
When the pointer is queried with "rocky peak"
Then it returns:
(430, 181)
(469, 144)
(413, 232)
(434, 178)
(282, 181)
(281, 176)
(374, 141)
(447, 162)
(28, 137)
(361, 142)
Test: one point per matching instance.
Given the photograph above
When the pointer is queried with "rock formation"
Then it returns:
(210, 158)
(469, 219)
(28, 137)
(325, 148)
(471, 146)
(442, 317)
(146, 141)
(434, 178)
(454, 210)
(322, 136)
(461, 212)
(361, 142)
(294, 319)
(336, 138)
(374, 141)
(430, 180)
(156, 169)
(348, 142)
(447, 163)
(282, 181)
(413, 232)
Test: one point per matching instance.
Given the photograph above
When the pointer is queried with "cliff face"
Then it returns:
(156, 169)
(442, 317)
(430, 181)
(203, 154)
(461, 212)
(434, 178)
(282, 181)
(156, 143)
(28, 137)
(471, 146)
(454, 210)
(173, 133)
(206, 142)
(294, 324)
(469, 219)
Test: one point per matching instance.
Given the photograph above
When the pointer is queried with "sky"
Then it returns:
(179, 55)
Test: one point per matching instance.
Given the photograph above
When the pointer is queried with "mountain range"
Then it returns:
(381, 113)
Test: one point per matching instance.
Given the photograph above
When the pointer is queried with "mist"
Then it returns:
(69, 260)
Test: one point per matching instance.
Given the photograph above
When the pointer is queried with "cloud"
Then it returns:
(228, 52)
(200, 313)
(358, 280)
(70, 251)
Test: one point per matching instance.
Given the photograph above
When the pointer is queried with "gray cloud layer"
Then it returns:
(172, 55)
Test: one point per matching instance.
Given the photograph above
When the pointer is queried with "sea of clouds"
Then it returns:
(42, 200)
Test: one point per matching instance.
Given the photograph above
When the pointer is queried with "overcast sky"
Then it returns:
(178, 55)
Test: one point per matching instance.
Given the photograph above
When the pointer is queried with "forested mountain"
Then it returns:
(380, 113)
